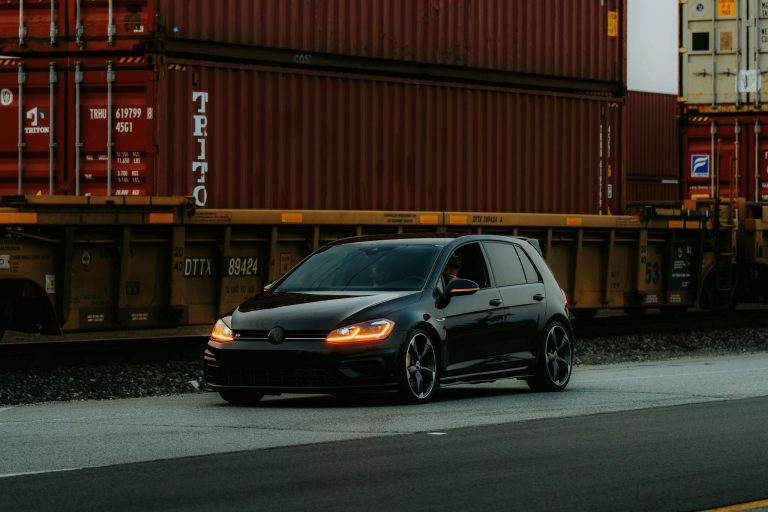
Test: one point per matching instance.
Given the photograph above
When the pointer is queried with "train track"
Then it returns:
(607, 323)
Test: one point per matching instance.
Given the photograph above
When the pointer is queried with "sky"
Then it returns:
(652, 45)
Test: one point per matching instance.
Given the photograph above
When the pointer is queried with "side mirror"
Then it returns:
(459, 287)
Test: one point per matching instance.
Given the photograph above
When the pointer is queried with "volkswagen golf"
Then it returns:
(400, 313)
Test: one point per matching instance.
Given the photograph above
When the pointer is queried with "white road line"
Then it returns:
(26, 473)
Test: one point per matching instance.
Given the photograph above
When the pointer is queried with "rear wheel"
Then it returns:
(418, 369)
(555, 360)
(241, 396)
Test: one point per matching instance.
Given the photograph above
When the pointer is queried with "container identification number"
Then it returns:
(128, 113)
(241, 266)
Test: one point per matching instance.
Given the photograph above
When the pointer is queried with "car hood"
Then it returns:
(304, 311)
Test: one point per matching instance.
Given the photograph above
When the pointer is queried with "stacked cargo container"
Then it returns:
(489, 105)
(723, 107)
(651, 136)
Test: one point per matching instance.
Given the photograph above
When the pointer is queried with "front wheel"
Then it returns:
(418, 368)
(555, 363)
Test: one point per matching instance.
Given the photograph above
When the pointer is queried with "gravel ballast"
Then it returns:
(140, 379)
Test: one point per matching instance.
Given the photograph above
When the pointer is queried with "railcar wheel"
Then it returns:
(555, 360)
(419, 375)
(241, 396)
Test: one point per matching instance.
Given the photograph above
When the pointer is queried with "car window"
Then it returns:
(506, 265)
(531, 274)
(364, 267)
(473, 264)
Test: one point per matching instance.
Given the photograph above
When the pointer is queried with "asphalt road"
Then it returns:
(679, 435)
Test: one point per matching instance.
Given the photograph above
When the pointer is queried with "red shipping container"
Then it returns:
(580, 40)
(648, 192)
(734, 159)
(237, 136)
(652, 135)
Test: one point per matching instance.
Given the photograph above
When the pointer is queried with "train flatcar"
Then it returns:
(80, 263)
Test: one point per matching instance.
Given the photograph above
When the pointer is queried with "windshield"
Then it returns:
(364, 267)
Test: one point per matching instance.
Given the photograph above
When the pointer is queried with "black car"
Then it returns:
(389, 313)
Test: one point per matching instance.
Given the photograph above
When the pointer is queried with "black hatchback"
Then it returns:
(398, 313)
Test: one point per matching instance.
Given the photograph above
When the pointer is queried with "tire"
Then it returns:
(241, 396)
(418, 368)
(555, 365)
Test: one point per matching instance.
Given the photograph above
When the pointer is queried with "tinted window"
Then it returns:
(505, 263)
(531, 275)
(473, 264)
(364, 266)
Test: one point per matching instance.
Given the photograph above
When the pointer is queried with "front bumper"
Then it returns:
(302, 366)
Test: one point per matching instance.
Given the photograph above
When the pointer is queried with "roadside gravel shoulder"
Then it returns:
(661, 346)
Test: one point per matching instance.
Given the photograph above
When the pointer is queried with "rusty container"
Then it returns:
(582, 43)
(243, 136)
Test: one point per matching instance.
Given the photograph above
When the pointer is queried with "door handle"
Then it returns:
(495, 302)
(539, 297)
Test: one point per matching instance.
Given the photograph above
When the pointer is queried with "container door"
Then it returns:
(758, 30)
(32, 117)
(711, 62)
(756, 171)
(734, 162)
(31, 26)
(112, 102)
(698, 158)
(110, 24)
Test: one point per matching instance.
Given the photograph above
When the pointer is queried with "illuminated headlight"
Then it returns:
(365, 331)
(222, 332)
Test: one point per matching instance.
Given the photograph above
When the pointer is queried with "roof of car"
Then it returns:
(421, 238)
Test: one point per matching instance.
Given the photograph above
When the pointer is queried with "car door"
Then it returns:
(473, 323)
(523, 293)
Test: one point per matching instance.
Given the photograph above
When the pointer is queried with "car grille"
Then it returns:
(261, 335)
(278, 377)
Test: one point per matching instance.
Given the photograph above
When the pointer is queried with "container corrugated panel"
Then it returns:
(645, 192)
(652, 135)
(734, 160)
(237, 136)
(725, 55)
(582, 39)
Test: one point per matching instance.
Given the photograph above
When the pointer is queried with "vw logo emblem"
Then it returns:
(276, 335)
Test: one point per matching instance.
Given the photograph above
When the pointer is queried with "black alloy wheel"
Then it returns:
(419, 368)
(555, 360)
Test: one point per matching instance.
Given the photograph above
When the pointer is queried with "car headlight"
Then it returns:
(222, 332)
(366, 331)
